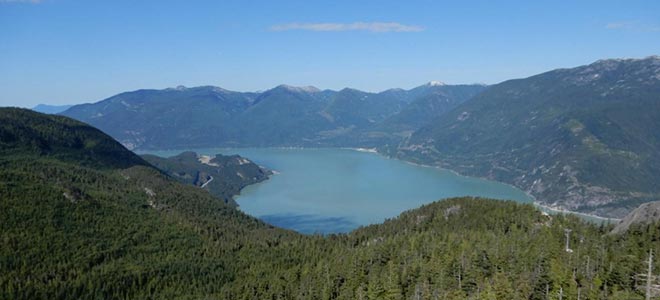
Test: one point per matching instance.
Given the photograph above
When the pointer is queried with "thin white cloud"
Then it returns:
(618, 25)
(356, 26)
(632, 25)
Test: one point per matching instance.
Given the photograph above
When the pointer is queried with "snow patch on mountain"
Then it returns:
(435, 83)
(306, 89)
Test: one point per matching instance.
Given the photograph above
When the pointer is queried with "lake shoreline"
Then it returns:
(559, 210)
(534, 201)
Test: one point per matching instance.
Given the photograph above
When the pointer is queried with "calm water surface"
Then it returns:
(337, 190)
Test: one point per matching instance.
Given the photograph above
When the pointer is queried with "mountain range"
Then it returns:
(283, 116)
(81, 217)
(583, 139)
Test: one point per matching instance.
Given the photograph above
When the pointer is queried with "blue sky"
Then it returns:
(65, 51)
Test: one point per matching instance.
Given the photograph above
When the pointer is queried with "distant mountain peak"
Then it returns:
(216, 89)
(625, 70)
(50, 109)
(177, 88)
(435, 83)
(395, 90)
(349, 90)
(211, 88)
(305, 89)
(219, 90)
(653, 59)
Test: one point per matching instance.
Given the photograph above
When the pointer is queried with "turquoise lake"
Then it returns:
(337, 190)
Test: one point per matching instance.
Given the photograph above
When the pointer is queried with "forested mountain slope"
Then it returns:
(82, 224)
(77, 230)
(585, 139)
(222, 175)
(24, 133)
(430, 101)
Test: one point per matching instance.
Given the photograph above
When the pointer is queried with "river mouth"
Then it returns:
(333, 190)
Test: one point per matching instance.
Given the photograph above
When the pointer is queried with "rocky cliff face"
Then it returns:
(647, 213)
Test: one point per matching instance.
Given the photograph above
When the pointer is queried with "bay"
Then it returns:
(337, 190)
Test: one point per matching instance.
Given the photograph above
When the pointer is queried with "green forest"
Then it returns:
(83, 218)
(223, 175)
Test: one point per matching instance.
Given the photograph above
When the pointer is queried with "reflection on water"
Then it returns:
(310, 224)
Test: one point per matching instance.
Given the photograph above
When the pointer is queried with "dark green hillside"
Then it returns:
(24, 133)
(584, 139)
(463, 249)
(78, 230)
(223, 176)
(72, 230)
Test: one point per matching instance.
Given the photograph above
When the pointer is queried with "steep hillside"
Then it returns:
(416, 108)
(584, 139)
(646, 214)
(223, 176)
(92, 224)
(24, 133)
(282, 116)
(430, 102)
